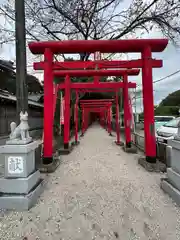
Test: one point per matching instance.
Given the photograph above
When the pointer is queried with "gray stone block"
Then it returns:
(121, 144)
(152, 167)
(175, 159)
(173, 192)
(19, 148)
(19, 141)
(21, 202)
(168, 156)
(19, 160)
(50, 168)
(173, 178)
(63, 151)
(19, 185)
(130, 149)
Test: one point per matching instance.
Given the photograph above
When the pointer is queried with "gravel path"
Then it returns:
(98, 192)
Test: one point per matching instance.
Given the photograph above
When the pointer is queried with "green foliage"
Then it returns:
(172, 99)
(170, 105)
(167, 110)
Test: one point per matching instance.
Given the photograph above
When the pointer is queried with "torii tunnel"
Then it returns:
(67, 85)
(98, 106)
(143, 46)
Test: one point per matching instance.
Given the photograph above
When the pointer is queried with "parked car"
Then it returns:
(161, 120)
(168, 130)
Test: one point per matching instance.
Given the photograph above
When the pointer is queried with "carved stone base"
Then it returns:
(131, 149)
(21, 202)
(119, 143)
(65, 151)
(75, 143)
(50, 168)
(18, 141)
(19, 160)
(19, 185)
(152, 167)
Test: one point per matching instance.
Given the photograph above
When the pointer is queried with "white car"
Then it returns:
(167, 131)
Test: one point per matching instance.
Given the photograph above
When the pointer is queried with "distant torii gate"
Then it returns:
(143, 46)
(98, 104)
(67, 86)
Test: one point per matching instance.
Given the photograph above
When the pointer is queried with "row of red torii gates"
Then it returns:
(105, 68)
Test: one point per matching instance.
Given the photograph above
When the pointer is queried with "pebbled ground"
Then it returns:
(98, 192)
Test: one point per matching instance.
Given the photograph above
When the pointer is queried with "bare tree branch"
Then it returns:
(93, 19)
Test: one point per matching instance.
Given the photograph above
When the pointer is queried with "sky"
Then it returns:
(170, 57)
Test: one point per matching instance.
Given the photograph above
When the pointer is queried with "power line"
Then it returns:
(161, 79)
(170, 75)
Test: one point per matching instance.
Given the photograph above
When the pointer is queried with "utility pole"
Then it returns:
(21, 72)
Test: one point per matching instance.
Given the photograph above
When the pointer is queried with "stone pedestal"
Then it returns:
(171, 184)
(168, 155)
(21, 185)
(121, 144)
(65, 151)
(152, 167)
(131, 149)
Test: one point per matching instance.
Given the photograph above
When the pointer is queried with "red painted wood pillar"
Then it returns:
(48, 107)
(101, 119)
(117, 120)
(85, 119)
(148, 102)
(67, 112)
(109, 119)
(76, 118)
(106, 120)
(127, 121)
(82, 121)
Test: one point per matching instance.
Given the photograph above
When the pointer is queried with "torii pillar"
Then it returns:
(127, 120)
(67, 112)
(148, 102)
(48, 107)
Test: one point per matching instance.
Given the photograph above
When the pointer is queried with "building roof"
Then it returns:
(5, 95)
(8, 79)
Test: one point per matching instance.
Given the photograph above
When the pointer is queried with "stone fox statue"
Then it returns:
(22, 130)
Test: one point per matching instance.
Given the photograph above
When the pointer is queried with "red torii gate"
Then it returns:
(95, 85)
(87, 110)
(144, 46)
(96, 105)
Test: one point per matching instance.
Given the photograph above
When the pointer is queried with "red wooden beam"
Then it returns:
(108, 85)
(95, 90)
(103, 46)
(100, 64)
(96, 100)
(96, 107)
(92, 105)
(92, 73)
(96, 110)
(95, 104)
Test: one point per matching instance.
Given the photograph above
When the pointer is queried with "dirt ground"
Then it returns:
(98, 192)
